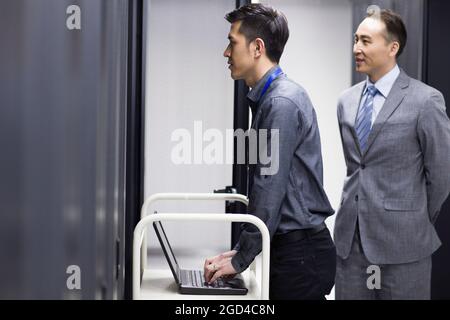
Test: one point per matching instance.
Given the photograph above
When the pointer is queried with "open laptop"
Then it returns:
(193, 281)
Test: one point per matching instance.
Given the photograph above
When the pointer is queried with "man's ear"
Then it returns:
(260, 47)
(395, 46)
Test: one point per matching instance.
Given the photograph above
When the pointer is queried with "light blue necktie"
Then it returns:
(364, 119)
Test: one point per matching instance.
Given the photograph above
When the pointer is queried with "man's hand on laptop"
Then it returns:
(219, 266)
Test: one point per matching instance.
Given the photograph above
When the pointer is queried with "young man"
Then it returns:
(291, 200)
(396, 140)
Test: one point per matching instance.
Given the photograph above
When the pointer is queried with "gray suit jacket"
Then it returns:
(397, 186)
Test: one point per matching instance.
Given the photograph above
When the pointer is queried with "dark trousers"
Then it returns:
(303, 270)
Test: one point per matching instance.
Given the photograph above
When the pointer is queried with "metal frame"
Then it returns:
(240, 121)
(184, 196)
(435, 74)
(139, 235)
(135, 140)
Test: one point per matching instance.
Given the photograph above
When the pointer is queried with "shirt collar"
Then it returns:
(255, 94)
(385, 83)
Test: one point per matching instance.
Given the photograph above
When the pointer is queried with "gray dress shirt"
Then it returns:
(292, 197)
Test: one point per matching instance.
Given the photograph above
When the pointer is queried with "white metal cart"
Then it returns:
(158, 284)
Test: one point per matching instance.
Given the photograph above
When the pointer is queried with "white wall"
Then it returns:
(187, 80)
(318, 57)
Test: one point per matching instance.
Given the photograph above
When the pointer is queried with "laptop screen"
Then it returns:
(165, 245)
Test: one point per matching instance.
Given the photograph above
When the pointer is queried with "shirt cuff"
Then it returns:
(238, 262)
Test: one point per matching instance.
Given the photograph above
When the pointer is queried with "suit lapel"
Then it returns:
(393, 100)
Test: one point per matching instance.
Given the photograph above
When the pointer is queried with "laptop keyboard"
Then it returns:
(197, 279)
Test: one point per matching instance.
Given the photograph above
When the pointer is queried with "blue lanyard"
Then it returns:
(272, 77)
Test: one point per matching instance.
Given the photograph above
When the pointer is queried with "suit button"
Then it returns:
(363, 166)
(356, 198)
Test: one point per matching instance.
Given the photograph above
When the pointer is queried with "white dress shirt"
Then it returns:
(384, 86)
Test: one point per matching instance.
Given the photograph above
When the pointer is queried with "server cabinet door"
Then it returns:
(63, 80)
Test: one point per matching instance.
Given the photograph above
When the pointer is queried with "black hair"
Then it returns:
(395, 28)
(261, 21)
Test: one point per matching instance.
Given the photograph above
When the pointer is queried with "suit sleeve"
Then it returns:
(270, 179)
(339, 110)
(339, 118)
(434, 138)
